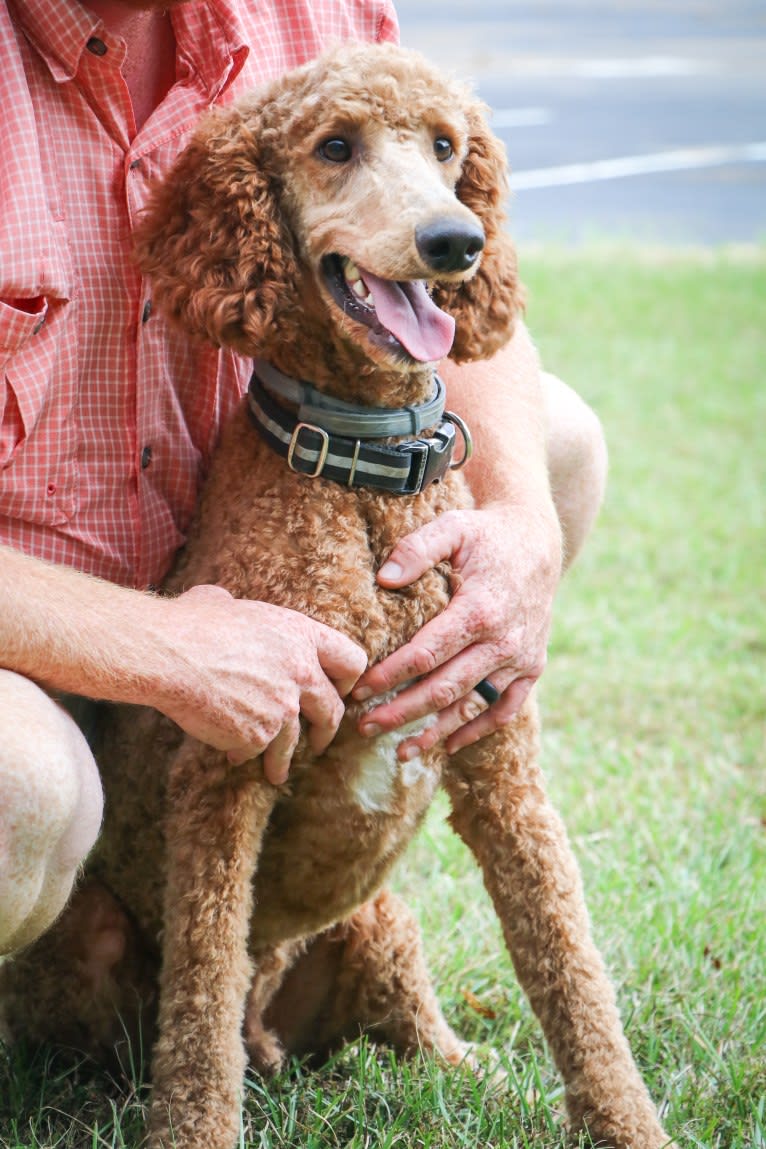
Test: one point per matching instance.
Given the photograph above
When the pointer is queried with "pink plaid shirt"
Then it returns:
(108, 417)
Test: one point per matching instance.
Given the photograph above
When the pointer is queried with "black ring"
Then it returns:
(487, 691)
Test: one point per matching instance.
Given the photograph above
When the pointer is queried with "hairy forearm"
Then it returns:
(235, 673)
(501, 401)
(71, 632)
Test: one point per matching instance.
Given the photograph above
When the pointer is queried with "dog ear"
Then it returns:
(212, 241)
(485, 307)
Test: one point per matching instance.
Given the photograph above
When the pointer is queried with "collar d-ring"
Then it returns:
(462, 427)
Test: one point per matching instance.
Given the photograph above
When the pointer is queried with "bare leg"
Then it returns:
(501, 811)
(50, 809)
(577, 461)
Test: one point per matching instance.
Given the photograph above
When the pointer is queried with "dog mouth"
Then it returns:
(401, 315)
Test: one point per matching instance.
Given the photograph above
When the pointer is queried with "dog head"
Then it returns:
(356, 206)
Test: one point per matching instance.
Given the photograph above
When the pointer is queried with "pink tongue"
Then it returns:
(412, 317)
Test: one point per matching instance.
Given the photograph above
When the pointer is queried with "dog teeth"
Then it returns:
(360, 291)
(351, 271)
(356, 284)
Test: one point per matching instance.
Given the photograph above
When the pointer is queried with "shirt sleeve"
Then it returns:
(388, 25)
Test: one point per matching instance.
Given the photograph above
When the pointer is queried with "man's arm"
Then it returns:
(506, 554)
(235, 674)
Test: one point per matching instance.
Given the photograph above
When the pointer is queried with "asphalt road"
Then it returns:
(641, 119)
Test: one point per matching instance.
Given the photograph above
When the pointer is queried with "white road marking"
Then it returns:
(640, 67)
(520, 117)
(609, 67)
(681, 159)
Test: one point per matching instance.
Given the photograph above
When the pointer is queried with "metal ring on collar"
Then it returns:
(462, 427)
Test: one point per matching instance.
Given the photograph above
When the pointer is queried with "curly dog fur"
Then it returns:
(262, 906)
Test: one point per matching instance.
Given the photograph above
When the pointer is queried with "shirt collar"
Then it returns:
(59, 30)
(210, 38)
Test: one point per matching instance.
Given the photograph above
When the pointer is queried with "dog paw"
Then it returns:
(480, 1060)
(97, 934)
(265, 1051)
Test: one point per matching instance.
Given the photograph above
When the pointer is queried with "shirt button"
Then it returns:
(96, 46)
(147, 311)
(146, 457)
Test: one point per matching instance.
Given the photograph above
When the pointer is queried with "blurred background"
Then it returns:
(626, 119)
(636, 134)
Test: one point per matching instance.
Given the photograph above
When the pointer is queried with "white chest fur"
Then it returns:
(378, 773)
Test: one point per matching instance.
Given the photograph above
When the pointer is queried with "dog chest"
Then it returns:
(332, 842)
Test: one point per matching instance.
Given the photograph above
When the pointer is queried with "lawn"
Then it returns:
(654, 705)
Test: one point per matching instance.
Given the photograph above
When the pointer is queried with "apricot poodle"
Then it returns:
(336, 227)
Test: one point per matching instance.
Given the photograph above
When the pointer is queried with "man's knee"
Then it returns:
(577, 461)
(50, 807)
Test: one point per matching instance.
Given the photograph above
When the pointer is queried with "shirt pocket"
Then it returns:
(39, 434)
(17, 328)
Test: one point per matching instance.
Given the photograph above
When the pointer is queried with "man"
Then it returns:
(107, 420)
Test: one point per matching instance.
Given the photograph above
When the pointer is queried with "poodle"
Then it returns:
(345, 228)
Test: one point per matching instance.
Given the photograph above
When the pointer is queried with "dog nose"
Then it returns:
(449, 246)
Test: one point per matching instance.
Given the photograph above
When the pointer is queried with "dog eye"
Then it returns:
(443, 149)
(336, 150)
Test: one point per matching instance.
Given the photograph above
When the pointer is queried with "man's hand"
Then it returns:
(506, 568)
(250, 671)
(234, 673)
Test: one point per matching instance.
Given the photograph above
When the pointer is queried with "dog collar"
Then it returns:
(313, 445)
(352, 419)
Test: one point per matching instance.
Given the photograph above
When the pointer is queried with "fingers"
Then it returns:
(323, 709)
(340, 658)
(495, 625)
(341, 662)
(439, 640)
(278, 754)
(259, 669)
(447, 657)
(471, 718)
(435, 693)
(418, 552)
(494, 717)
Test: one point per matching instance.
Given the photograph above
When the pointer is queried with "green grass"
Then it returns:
(654, 705)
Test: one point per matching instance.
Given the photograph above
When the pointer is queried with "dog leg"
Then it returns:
(367, 973)
(501, 811)
(384, 985)
(266, 1044)
(215, 820)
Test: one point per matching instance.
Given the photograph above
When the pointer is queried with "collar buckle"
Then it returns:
(321, 451)
(431, 458)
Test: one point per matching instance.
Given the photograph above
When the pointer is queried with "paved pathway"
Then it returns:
(623, 118)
